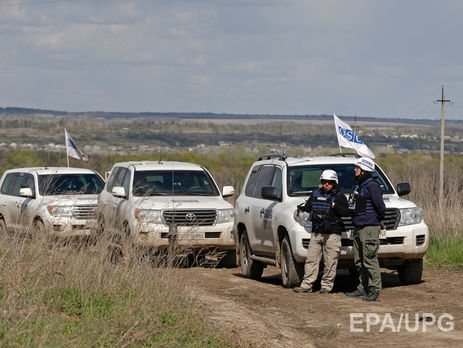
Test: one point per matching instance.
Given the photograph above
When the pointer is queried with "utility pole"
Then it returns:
(441, 166)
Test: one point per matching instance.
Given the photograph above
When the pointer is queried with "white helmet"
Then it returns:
(329, 175)
(365, 164)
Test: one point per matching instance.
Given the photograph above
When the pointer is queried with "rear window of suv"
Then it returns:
(173, 183)
(304, 179)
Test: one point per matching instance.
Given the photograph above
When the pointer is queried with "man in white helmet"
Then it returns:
(326, 205)
(368, 209)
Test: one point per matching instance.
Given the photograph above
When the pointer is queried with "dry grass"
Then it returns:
(71, 295)
(422, 172)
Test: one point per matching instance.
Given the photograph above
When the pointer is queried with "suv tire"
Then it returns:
(3, 230)
(39, 233)
(228, 260)
(100, 226)
(291, 271)
(249, 267)
(411, 271)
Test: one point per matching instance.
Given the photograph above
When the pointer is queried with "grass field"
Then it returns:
(74, 297)
(446, 251)
(71, 296)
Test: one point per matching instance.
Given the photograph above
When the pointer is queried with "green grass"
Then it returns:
(66, 298)
(77, 317)
(445, 251)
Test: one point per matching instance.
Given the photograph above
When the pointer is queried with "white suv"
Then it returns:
(59, 201)
(156, 203)
(268, 232)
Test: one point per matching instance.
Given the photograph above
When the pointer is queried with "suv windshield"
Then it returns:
(70, 184)
(303, 180)
(173, 183)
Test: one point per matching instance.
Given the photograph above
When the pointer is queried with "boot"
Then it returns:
(356, 293)
(372, 295)
(301, 289)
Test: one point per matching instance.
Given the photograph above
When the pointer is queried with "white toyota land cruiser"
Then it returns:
(60, 201)
(157, 203)
(268, 232)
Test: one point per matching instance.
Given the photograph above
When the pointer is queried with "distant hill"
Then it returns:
(19, 111)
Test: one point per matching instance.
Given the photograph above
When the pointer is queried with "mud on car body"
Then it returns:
(58, 201)
(157, 203)
(268, 231)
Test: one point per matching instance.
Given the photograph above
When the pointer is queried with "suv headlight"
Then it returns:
(410, 216)
(149, 216)
(302, 218)
(60, 210)
(225, 215)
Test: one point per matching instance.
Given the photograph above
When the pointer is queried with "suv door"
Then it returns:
(265, 237)
(8, 202)
(254, 212)
(118, 205)
(106, 195)
(244, 202)
(16, 214)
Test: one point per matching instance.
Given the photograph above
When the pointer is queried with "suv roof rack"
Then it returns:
(345, 154)
(275, 155)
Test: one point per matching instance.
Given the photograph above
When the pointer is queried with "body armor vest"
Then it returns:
(362, 204)
(321, 205)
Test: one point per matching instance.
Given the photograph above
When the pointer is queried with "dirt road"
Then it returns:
(265, 314)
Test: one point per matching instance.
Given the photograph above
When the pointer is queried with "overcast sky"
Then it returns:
(352, 57)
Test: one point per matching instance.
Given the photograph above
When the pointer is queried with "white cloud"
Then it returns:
(262, 56)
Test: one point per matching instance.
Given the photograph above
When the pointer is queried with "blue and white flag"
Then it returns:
(71, 148)
(347, 138)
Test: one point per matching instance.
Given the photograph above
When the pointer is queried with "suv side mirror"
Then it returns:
(228, 191)
(270, 192)
(403, 188)
(119, 191)
(25, 192)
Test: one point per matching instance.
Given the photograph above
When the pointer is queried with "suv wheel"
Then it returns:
(228, 260)
(291, 271)
(115, 253)
(39, 233)
(3, 229)
(249, 267)
(99, 226)
(411, 271)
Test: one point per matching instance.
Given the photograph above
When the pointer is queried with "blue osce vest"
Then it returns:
(369, 208)
(321, 205)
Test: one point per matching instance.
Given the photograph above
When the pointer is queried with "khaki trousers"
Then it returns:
(327, 245)
(366, 246)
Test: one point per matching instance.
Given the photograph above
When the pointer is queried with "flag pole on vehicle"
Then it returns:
(72, 150)
(347, 138)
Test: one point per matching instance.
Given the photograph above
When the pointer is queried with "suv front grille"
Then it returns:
(85, 212)
(190, 217)
(391, 220)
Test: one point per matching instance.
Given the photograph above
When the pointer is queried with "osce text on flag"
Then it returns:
(350, 135)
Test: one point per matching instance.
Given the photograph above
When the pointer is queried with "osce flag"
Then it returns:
(71, 148)
(347, 138)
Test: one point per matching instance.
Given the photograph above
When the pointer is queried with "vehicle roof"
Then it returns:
(311, 160)
(159, 165)
(52, 170)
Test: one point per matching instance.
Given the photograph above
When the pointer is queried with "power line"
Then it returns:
(419, 103)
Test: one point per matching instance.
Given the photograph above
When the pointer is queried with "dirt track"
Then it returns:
(264, 314)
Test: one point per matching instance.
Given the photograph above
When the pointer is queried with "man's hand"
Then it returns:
(383, 226)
